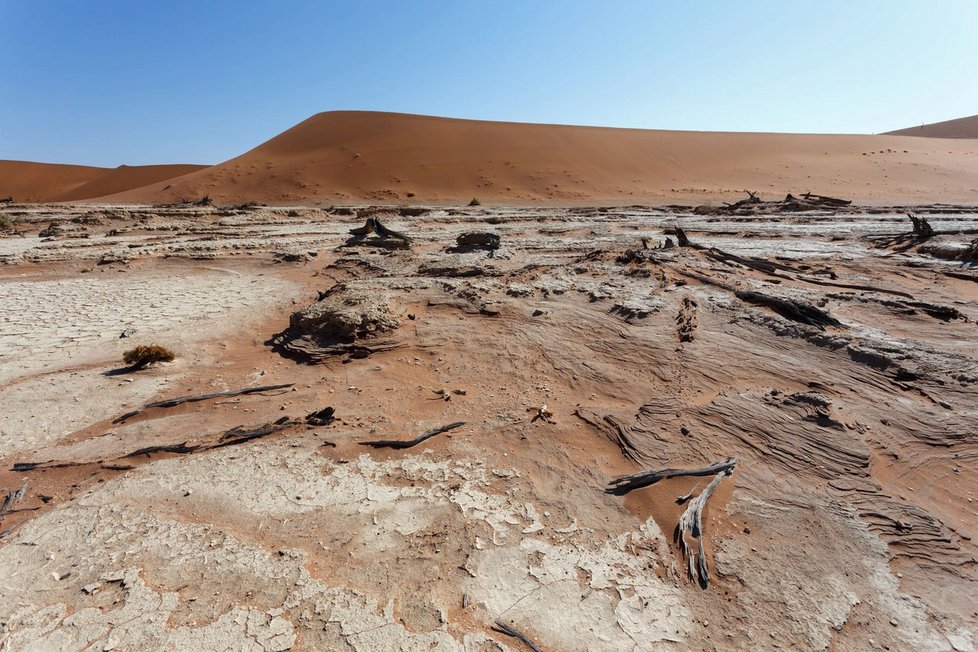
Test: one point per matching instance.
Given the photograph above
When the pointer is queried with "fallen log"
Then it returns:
(793, 309)
(691, 523)
(164, 448)
(13, 498)
(827, 201)
(752, 198)
(427, 434)
(240, 435)
(508, 630)
(626, 483)
(172, 402)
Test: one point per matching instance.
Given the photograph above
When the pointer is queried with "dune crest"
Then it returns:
(958, 128)
(358, 156)
(26, 181)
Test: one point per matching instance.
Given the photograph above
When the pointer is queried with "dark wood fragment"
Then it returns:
(427, 434)
(164, 448)
(626, 483)
(793, 309)
(508, 630)
(172, 402)
(13, 498)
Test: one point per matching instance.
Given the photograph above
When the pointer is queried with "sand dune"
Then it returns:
(127, 177)
(27, 181)
(396, 158)
(44, 182)
(960, 128)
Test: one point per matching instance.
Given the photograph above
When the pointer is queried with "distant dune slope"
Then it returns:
(350, 157)
(960, 128)
(26, 181)
(127, 177)
(40, 182)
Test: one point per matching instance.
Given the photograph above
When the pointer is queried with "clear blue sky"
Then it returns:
(105, 82)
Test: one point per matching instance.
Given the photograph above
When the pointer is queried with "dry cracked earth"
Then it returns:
(830, 353)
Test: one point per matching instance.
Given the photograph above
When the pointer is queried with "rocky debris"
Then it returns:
(348, 319)
(476, 240)
(112, 257)
(56, 230)
(456, 266)
(633, 310)
(293, 256)
(686, 320)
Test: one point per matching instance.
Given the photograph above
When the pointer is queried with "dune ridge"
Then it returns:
(958, 128)
(360, 156)
(27, 181)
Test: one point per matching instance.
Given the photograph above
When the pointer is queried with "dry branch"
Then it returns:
(172, 402)
(500, 626)
(13, 498)
(626, 483)
(691, 522)
(165, 448)
(921, 226)
(240, 435)
(427, 434)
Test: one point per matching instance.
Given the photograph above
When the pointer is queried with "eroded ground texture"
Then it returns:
(580, 350)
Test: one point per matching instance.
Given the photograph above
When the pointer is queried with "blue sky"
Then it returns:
(105, 82)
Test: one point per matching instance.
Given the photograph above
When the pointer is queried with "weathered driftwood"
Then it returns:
(13, 498)
(398, 443)
(626, 483)
(752, 198)
(172, 402)
(240, 434)
(691, 523)
(322, 417)
(181, 448)
(824, 200)
(509, 630)
(793, 309)
(375, 226)
(921, 227)
(681, 238)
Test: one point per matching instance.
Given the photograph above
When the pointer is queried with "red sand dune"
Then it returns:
(960, 128)
(351, 157)
(47, 182)
(127, 177)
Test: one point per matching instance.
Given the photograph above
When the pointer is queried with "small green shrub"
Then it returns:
(145, 355)
(7, 223)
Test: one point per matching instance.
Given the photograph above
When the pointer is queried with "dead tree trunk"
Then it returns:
(921, 227)
(427, 434)
(691, 523)
(621, 486)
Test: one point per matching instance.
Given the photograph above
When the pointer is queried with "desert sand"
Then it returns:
(350, 157)
(442, 402)
(958, 128)
(831, 353)
(24, 181)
